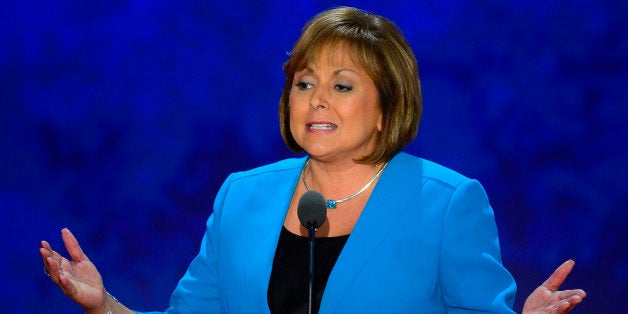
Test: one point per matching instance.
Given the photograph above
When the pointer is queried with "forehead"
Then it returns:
(332, 55)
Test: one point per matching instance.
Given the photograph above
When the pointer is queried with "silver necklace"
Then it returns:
(331, 204)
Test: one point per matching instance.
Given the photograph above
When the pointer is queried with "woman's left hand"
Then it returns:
(548, 299)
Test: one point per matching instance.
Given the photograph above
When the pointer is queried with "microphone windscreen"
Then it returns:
(312, 210)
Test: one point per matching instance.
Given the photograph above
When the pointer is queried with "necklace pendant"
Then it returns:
(331, 204)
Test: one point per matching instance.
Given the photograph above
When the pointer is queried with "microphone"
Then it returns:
(312, 212)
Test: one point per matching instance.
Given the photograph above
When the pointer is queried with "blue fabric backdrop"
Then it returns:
(120, 119)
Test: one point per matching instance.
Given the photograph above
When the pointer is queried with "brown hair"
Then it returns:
(376, 44)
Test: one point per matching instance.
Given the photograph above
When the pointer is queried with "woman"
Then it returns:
(402, 234)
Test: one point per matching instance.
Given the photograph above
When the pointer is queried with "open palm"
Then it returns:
(548, 299)
(78, 278)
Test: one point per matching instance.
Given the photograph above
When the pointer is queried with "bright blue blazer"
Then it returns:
(426, 242)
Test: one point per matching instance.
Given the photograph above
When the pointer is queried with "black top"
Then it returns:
(288, 287)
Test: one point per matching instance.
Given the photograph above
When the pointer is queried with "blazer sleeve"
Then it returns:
(471, 271)
(197, 291)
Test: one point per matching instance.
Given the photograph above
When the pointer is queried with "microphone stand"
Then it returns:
(312, 234)
(312, 212)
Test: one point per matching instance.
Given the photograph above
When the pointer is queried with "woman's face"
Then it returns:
(334, 108)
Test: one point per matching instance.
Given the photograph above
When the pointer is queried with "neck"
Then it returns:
(340, 185)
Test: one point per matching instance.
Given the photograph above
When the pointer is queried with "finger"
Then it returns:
(557, 297)
(561, 308)
(47, 250)
(566, 294)
(66, 285)
(72, 245)
(45, 247)
(574, 299)
(53, 269)
(567, 300)
(45, 255)
(552, 309)
(564, 307)
(44, 251)
(573, 302)
(558, 277)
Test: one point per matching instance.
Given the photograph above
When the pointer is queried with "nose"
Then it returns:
(319, 99)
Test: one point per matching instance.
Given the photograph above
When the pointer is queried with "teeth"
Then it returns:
(322, 126)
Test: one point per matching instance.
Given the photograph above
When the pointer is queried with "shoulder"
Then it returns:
(428, 170)
(275, 178)
(283, 166)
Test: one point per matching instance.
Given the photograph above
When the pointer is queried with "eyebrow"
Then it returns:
(336, 72)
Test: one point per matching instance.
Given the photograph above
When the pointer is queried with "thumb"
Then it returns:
(558, 277)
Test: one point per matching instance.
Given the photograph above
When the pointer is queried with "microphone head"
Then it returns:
(312, 210)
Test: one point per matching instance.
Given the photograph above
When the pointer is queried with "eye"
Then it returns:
(302, 85)
(343, 88)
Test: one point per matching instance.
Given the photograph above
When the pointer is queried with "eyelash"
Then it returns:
(343, 88)
(302, 85)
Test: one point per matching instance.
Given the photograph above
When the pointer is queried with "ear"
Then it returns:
(380, 123)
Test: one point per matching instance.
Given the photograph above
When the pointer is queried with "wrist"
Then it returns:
(107, 307)
(110, 302)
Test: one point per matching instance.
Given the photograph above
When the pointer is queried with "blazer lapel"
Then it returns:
(268, 211)
(388, 200)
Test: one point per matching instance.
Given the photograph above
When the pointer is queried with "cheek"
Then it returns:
(296, 107)
(293, 115)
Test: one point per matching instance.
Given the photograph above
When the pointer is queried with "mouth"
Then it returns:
(321, 126)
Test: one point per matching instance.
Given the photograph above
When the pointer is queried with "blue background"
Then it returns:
(120, 119)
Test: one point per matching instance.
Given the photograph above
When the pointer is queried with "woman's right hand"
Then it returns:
(78, 278)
